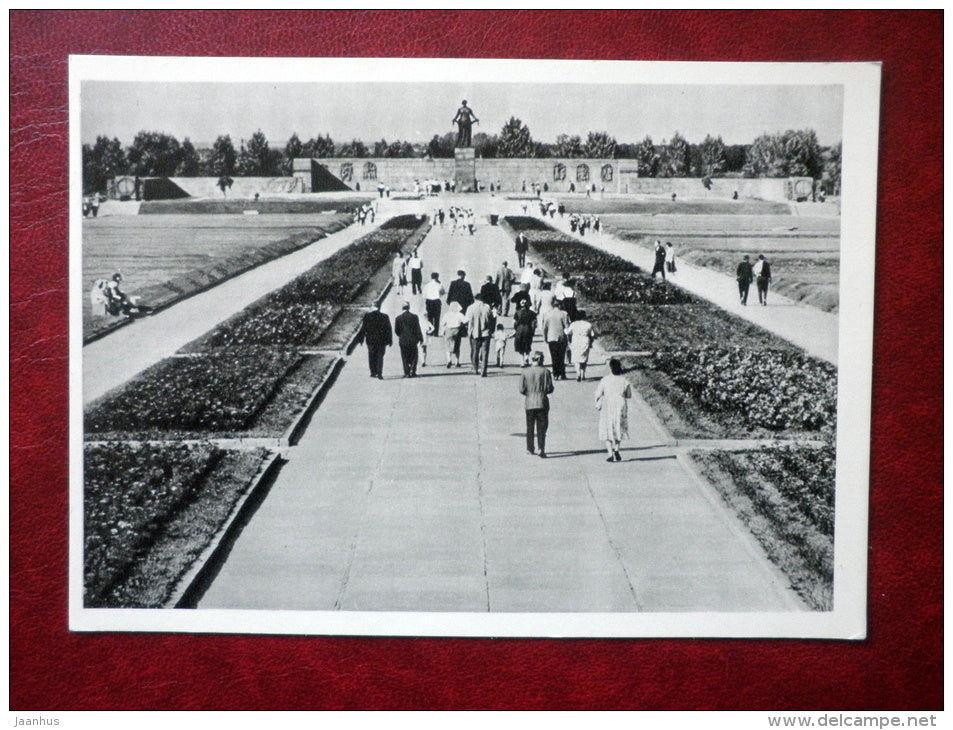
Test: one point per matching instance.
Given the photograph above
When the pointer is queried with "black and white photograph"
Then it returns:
(470, 347)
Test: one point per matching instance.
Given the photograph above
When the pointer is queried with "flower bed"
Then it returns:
(268, 324)
(649, 328)
(299, 313)
(785, 495)
(770, 389)
(211, 392)
(135, 495)
(599, 276)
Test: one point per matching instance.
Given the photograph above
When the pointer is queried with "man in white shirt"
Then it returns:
(433, 294)
(416, 273)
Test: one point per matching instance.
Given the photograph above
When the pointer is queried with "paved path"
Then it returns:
(805, 326)
(417, 494)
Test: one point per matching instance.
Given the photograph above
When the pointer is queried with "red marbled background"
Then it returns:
(898, 667)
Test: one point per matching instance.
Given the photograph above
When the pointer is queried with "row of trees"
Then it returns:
(151, 154)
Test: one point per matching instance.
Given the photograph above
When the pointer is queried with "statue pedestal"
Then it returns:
(464, 169)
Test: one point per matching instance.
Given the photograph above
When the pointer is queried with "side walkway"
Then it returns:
(417, 494)
(805, 326)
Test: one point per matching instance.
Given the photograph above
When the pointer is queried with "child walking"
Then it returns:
(499, 341)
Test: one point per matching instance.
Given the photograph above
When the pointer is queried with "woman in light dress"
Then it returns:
(398, 273)
(612, 400)
(97, 298)
(581, 334)
(451, 324)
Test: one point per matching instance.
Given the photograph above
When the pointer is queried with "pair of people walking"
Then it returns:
(611, 400)
(376, 334)
(759, 272)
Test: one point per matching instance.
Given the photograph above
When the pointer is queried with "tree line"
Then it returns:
(792, 153)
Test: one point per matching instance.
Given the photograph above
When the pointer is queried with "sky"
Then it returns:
(415, 111)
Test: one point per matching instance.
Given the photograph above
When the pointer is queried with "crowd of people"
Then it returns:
(541, 310)
(461, 220)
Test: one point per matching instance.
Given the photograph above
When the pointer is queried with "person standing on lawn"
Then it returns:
(536, 384)
(433, 294)
(762, 272)
(460, 291)
(744, 274)
(480, 324)
(375, 332)
(612, 401)
(409, 336)
(555, 324)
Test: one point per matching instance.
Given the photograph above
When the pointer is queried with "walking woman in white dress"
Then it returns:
(612, 400)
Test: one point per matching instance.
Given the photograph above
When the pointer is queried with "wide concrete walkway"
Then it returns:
(417, 494)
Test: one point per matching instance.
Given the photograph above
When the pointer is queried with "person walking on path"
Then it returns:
(612, 401)
(744, 274)
(499, 342)
(762, 272)
(524, 326)
(564, 294)
(490, 293)
(521, 296)
(433, 297)
(460, 291)
(659, 267)
(480, 324)
(581, 335)
(375, 333)
(670, 257)
(398, 274)
(504, 282)
(452, 326)
(555, 324)
(536, 384)
(522, 246)
(409, 336)
(416, 267)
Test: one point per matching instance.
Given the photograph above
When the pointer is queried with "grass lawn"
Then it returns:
(165, 258)
(804, 253)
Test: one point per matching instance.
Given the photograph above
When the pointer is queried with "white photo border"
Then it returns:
(861, 104)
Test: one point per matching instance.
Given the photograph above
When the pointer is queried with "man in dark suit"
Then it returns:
(536, 383)
(659, 267)
(375, 331)
(460, 292)
(490, 293)
(744, 275)
(522, 246)
(409, 336)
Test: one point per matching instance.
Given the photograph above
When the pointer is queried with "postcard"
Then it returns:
(445, 347)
